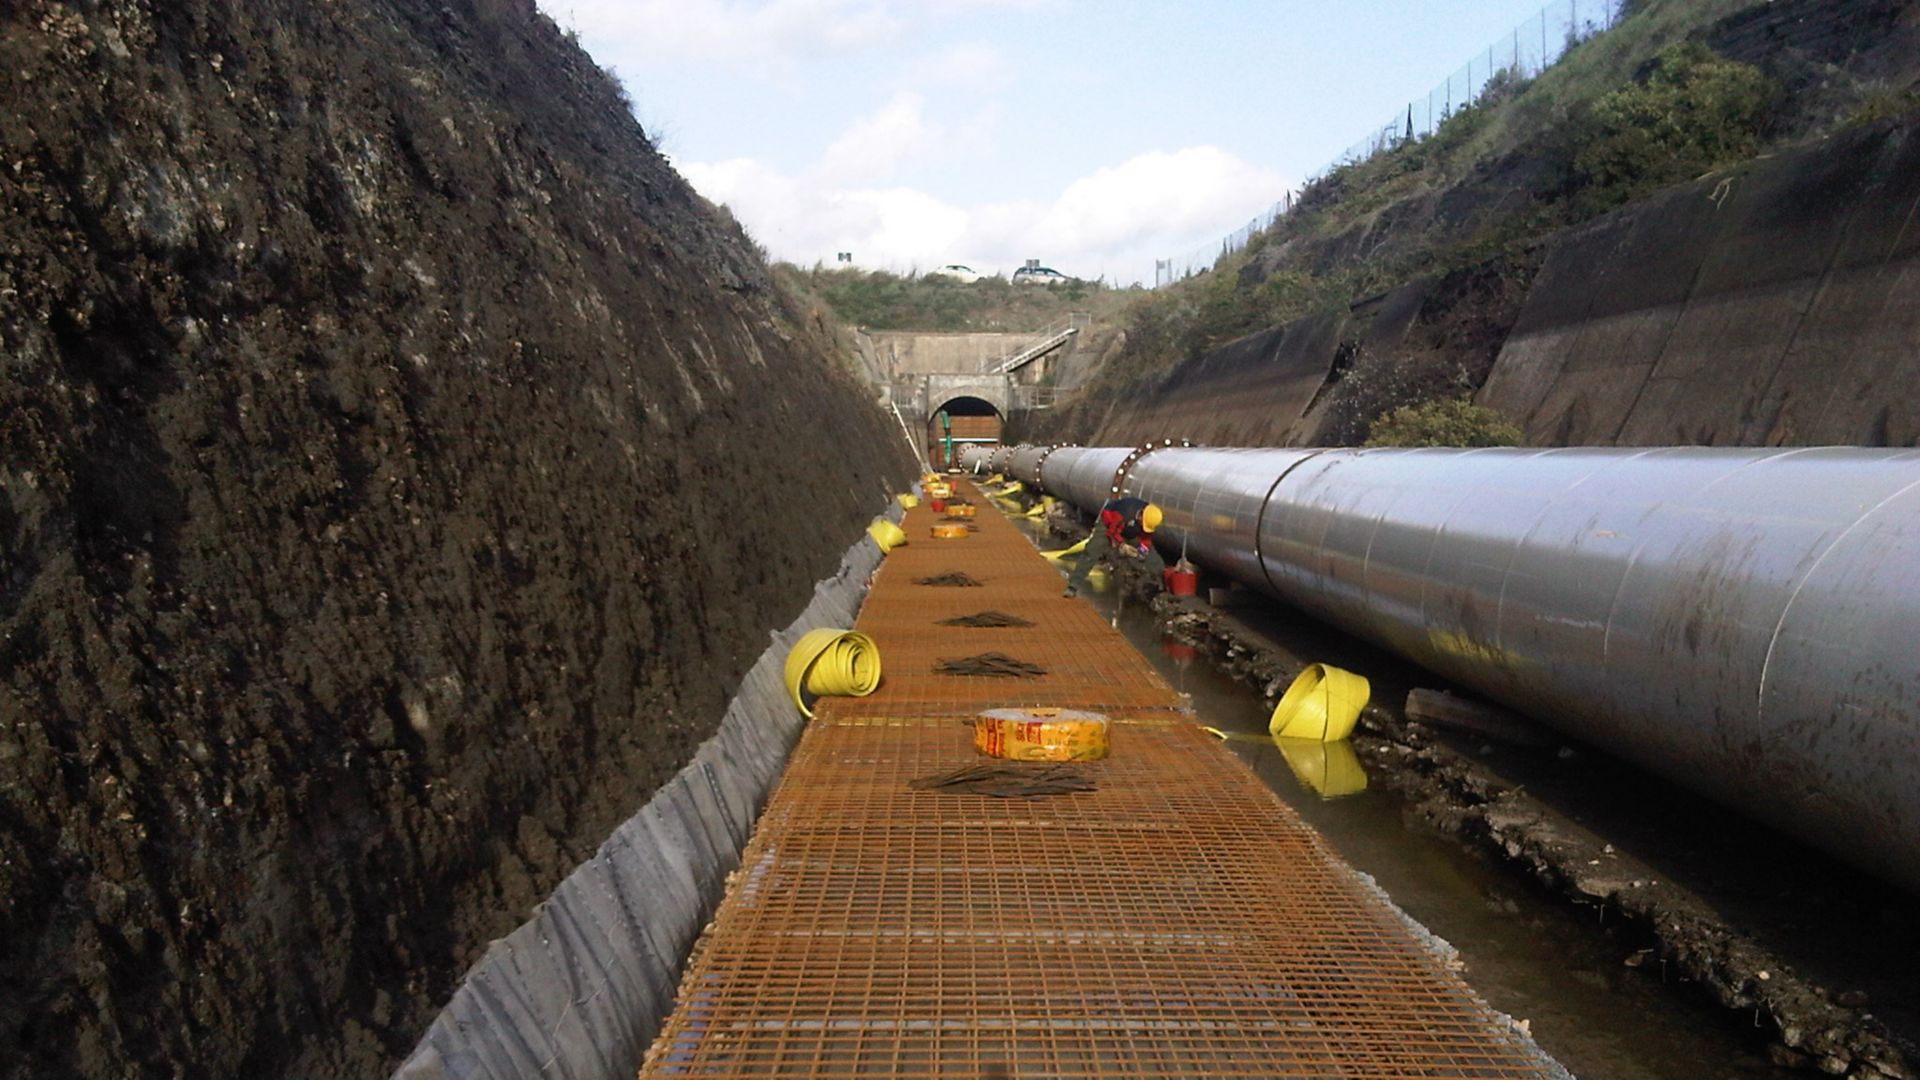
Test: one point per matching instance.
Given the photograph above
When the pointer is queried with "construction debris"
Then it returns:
(987, 618)
(1437, 708)
(994, 664)
(954, 579)
(1007, 781)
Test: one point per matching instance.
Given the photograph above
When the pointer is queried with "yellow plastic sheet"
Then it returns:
(886, 534)
(1066, 551)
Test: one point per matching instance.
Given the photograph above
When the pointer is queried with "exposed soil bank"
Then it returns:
(381, 422)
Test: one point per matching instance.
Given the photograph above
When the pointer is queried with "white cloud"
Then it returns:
(875, 145)
(1113, 221)
(1154, 196)
(771, 36)
(967, 66)
(745, 35)
(865, 190)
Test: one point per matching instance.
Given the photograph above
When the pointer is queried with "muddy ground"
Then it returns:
(1816, 956)
(385, 436)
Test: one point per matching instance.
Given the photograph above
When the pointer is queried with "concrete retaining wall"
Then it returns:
(909, 352)
(1263, 389)
(1775, 304)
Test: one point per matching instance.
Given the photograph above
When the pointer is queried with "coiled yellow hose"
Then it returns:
(1322, 704)
(832, 663)
(907, 500)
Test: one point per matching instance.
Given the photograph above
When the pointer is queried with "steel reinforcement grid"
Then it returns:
(1180, 920)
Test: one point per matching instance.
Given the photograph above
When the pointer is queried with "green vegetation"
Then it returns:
(1694, 112)
(1446, 422)
(879, 300)
(1622, 114)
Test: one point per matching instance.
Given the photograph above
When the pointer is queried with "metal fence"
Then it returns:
(1525, 52)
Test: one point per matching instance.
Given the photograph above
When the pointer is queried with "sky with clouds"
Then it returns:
(1093, 135)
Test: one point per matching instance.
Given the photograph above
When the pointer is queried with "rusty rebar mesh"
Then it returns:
(999, 619)
(1179, 920)
(995, 665)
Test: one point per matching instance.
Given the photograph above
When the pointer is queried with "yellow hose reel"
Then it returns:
(1041, 734)
(886, 534)
(1323, 704)
(832, 663)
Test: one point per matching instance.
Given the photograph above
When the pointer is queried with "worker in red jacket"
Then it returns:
(1126, 527)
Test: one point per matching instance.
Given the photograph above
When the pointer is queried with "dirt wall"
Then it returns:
(374, 524)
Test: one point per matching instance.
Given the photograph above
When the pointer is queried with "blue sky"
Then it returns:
(1095, 136)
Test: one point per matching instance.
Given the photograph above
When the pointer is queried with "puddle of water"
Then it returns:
(1528, 954)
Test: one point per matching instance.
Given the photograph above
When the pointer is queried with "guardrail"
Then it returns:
(1034, 397)
(1051, 337)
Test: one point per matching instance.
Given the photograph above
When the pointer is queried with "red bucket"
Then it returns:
(938, 506)
(1182, 582)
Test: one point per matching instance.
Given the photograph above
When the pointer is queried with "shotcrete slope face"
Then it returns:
(384, 437)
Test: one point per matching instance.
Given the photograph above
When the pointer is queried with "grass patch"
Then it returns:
(1446, 422)
(881, 300)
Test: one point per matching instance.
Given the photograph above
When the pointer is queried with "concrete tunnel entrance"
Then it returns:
(958, 423)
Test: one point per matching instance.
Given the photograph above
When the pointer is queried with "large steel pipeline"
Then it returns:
(979, 458)
(1745, 622)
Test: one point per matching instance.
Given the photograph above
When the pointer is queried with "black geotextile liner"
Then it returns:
(581, 988)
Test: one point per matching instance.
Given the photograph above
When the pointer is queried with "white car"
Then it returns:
(965, 275)
(1040, 275)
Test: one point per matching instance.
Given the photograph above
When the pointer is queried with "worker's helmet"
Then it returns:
(1150, 518)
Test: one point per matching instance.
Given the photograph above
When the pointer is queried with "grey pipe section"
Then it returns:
(1024, 463)
(1745, 622)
